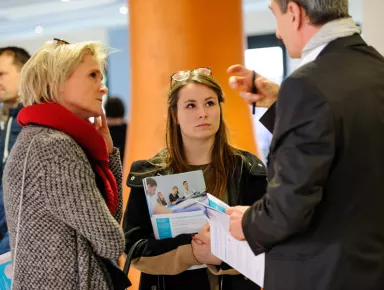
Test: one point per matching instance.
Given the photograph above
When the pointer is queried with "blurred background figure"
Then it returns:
(115, 112)
(12, 59)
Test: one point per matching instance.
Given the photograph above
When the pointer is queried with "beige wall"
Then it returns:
(373, 23)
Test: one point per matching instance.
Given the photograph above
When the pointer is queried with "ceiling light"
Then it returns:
(39, 29)
(64, 0)
(123, 10)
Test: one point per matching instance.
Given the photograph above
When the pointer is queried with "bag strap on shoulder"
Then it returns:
(128, 260)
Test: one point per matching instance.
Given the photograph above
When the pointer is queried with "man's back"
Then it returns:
(341, 94)
(118, 134)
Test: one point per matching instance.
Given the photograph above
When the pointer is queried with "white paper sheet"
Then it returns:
(237, 254)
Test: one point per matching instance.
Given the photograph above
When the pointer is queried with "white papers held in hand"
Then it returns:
(237, 254)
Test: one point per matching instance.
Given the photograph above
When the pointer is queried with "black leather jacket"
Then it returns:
(159, 260)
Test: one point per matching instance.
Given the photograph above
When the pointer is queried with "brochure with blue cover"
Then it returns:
(6, 271)
(175, 203)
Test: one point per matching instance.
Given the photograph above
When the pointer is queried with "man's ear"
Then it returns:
(296, 14)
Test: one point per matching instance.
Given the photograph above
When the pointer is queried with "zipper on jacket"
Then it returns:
(6, 144)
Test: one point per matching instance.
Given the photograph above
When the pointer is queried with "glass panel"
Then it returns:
(269, 62)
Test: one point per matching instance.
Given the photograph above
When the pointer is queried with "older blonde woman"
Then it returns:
(62, 181)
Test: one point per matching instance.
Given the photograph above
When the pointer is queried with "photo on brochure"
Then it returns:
(176, 193)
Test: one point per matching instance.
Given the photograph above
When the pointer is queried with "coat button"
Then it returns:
(132, 178)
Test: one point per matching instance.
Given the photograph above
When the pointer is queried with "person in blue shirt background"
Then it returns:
(12, 59)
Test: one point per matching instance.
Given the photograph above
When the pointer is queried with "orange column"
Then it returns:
(171, 35)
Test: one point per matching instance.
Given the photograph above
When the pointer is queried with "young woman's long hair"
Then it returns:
(223, 161)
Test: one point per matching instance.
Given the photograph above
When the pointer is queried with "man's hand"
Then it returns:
(235, 225)
(201, 247)
(242, 79)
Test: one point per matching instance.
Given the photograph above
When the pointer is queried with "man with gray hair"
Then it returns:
(320, 220)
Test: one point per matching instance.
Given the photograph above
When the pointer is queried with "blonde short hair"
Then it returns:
(48, 69)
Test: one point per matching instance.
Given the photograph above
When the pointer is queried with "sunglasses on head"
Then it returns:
(57, 41)
(184, 74)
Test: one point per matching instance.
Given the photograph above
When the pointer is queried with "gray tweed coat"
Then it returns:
(65, 225)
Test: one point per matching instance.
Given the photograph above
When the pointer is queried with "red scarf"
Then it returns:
(83, 132)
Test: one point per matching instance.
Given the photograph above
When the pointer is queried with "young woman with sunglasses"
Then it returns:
(196, 137)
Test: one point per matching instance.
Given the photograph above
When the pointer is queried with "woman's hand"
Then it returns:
(201, 247)
(102, 127)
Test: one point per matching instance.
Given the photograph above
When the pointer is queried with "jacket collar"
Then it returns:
(14, 111)
(342, 43)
